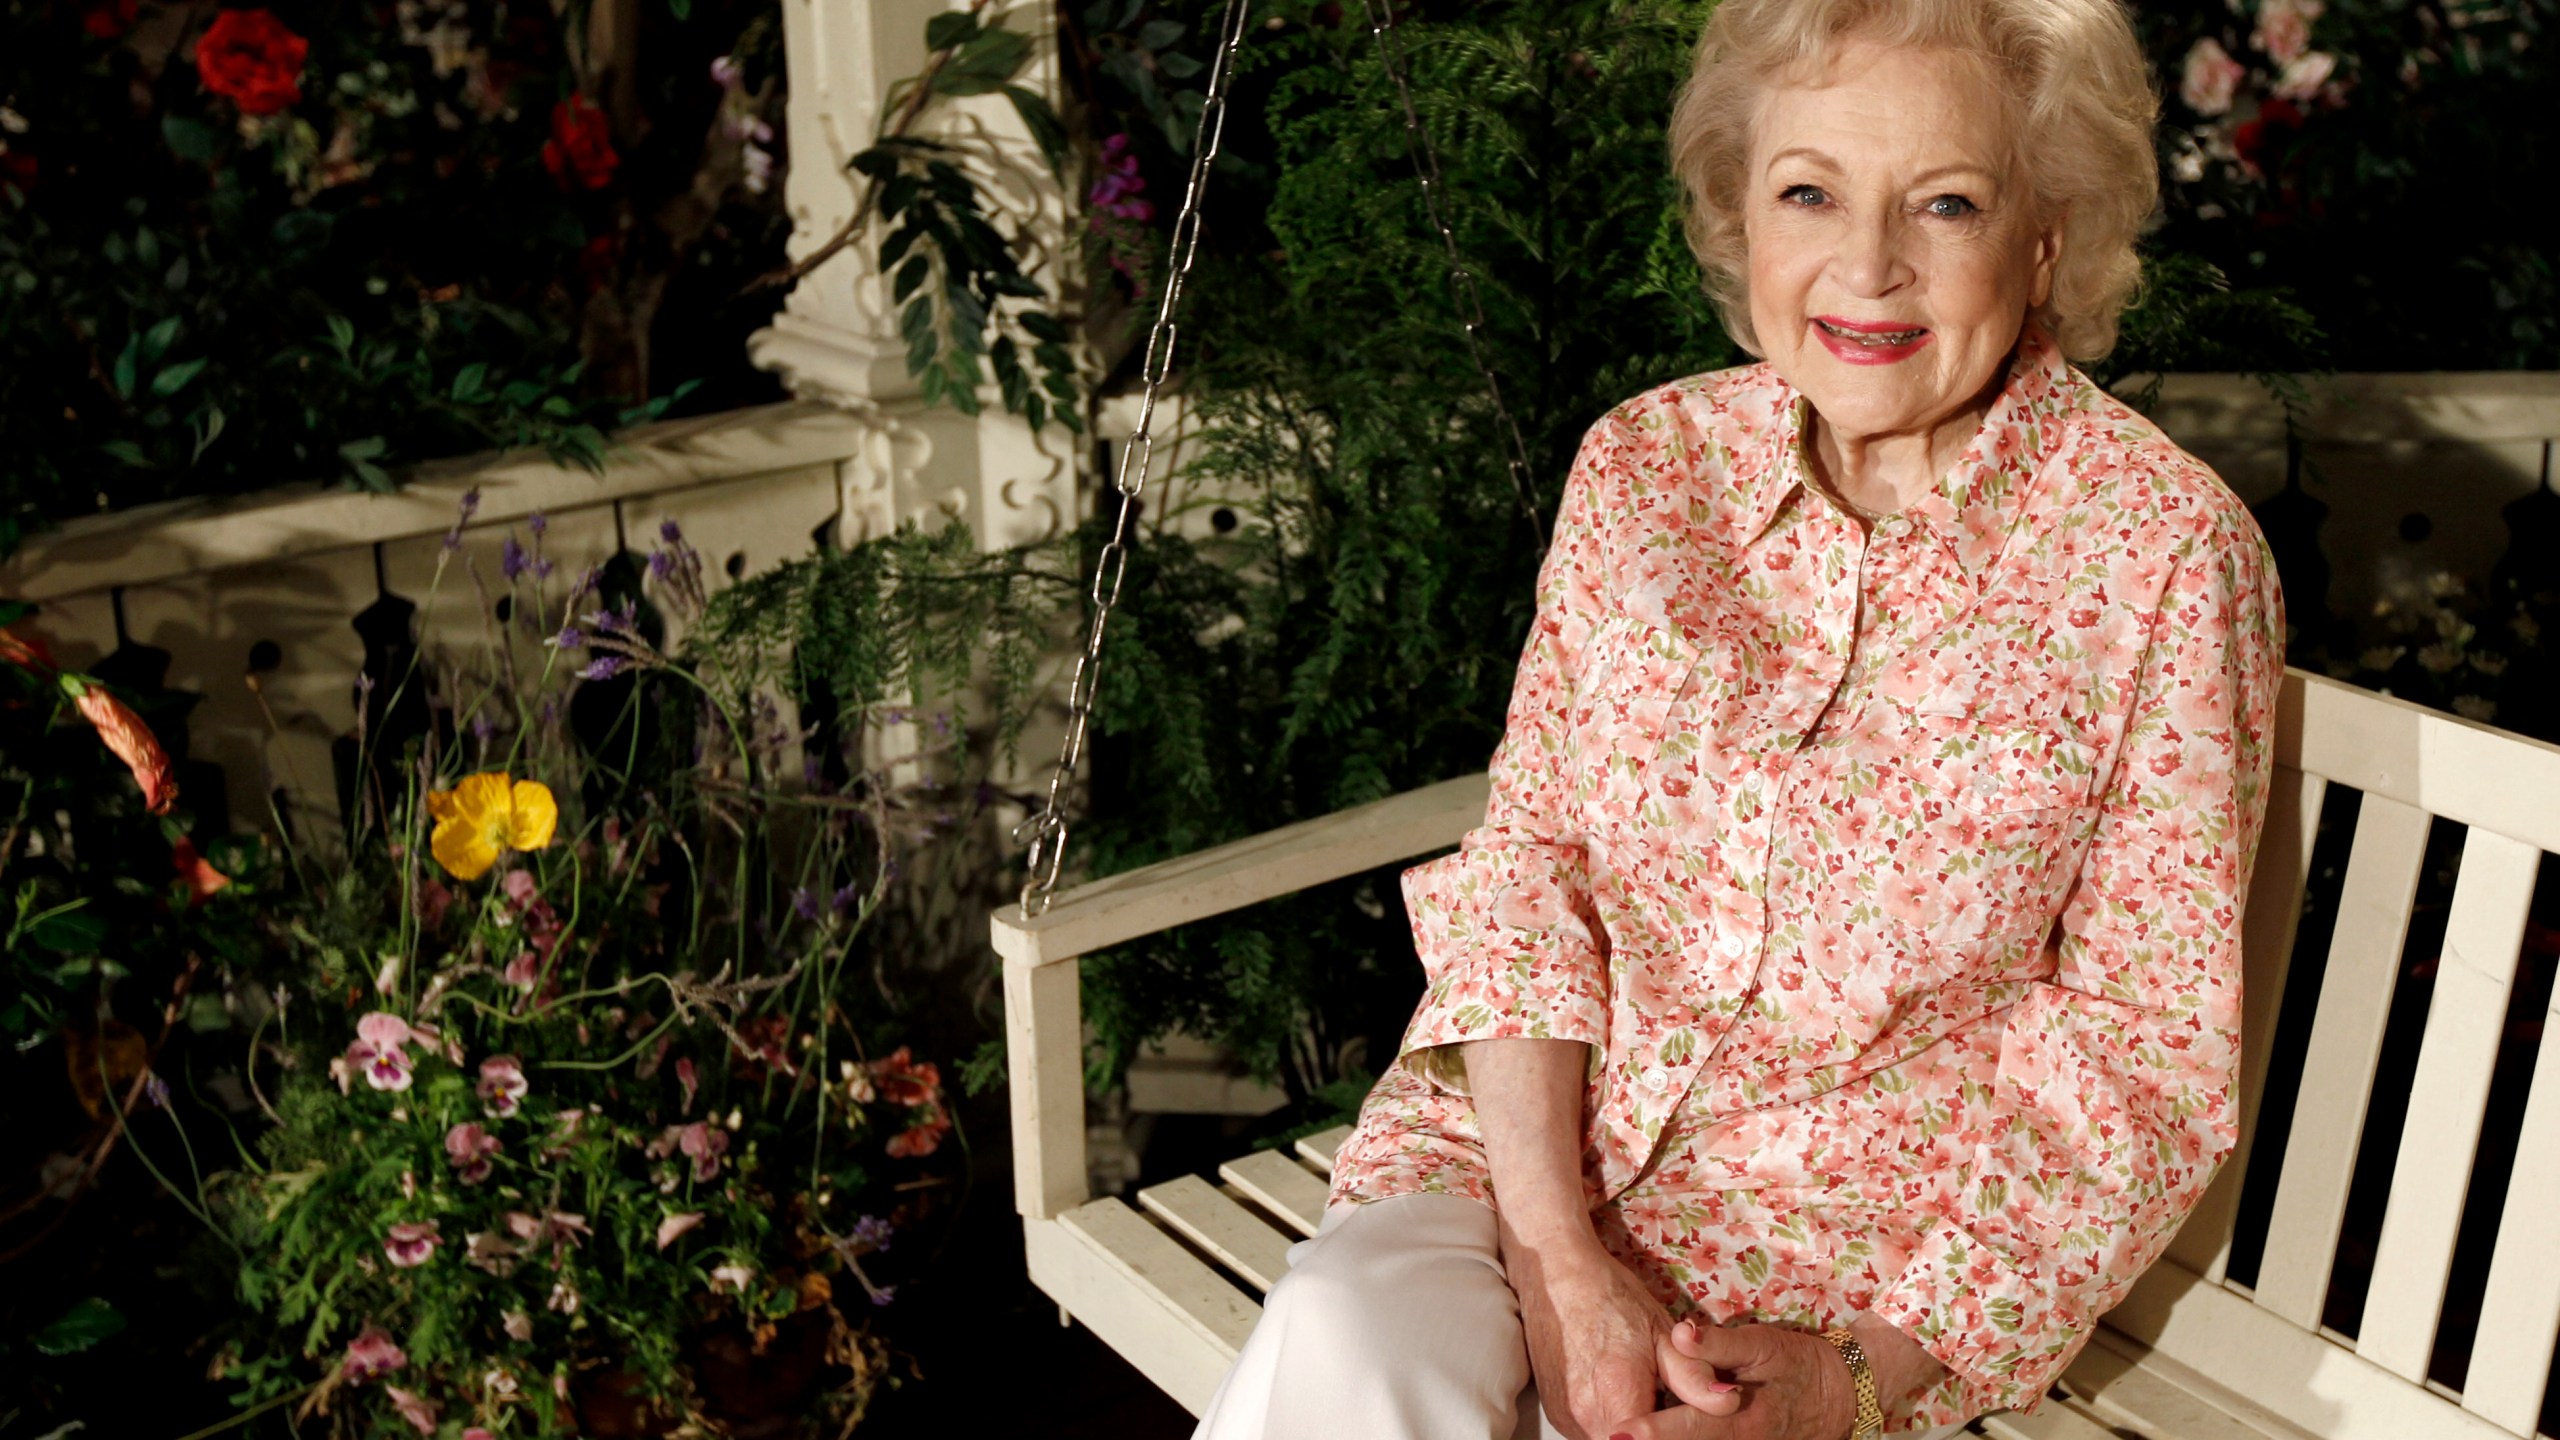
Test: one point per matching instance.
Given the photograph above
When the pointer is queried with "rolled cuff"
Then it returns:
(2000, 1327)
(1506, 937)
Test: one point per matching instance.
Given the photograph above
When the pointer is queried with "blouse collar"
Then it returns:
(1981, 496)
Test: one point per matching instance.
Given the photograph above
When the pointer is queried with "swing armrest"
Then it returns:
(1044, 1021)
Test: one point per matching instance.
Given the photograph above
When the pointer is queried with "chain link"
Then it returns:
(1047, 831)
(1462, 281)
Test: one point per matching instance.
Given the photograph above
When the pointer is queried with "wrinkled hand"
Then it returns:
(1594, 1336)
(1746, 1382)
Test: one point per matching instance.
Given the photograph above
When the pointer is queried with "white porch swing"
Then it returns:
(1173, 1283)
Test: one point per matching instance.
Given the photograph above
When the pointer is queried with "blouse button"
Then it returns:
(1894, 527)
(1657, 1080)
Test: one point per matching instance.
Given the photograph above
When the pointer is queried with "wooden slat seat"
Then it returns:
(2193, 1353)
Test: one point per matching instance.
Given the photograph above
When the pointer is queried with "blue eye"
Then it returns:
(1807, 195)
(1952, 207)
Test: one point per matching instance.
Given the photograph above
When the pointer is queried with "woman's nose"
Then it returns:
(1870, 262)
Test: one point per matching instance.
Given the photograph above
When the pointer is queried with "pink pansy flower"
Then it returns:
(383, 1030)
(562, 1231)
(521, 888)
(371, 1354)
(518, 1325)
(523, 970)
(675, 1225)
(491, 1252)
(705, 1145)
(470, 1148)
(420, 1415)
(502, 1084)
(731, 1277)
(2209, 78)
(686, 1077)
(410, 1246)
(386, 1069)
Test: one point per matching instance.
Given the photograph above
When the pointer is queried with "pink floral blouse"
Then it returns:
(1895, 878)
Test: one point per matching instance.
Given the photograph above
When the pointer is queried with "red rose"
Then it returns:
(108, 19)
(580, 150)
(251, 59)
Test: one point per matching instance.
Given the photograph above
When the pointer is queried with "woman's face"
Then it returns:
(1894, 249)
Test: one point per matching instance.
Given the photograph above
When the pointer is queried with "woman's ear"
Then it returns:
(2048, 255)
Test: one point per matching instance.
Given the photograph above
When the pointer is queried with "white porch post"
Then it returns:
(837, 339)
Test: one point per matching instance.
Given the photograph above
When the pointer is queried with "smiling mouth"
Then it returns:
(1877, 339)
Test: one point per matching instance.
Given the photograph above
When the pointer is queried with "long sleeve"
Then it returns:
(2113, 1100)
(1504, 926)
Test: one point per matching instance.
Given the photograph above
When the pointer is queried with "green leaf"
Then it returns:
(189, 139)
(1178, 66)
(1041, 119)
(951, 27)
(80, 1328)
(127, 452)
(681, 9)
(468, 382)
(342, 334)
(896, 246)
(155, 341)
(208, 429)
(122, 377)
(175, 378)
(69, 932)
(1157, 34)
(910, 275)
(1043, 326)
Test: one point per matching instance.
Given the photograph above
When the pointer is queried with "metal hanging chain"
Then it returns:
(1462, 281)
(1047, 830)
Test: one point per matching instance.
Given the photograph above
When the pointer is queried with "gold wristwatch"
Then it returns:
(1870, 1422)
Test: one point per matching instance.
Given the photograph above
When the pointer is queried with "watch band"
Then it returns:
(1870, 1421)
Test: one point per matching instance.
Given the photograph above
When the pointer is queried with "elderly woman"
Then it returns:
(1839, 1006)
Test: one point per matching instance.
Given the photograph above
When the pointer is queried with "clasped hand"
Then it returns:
(1603, 1350)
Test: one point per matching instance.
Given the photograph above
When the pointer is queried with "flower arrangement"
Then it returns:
(585, 1114)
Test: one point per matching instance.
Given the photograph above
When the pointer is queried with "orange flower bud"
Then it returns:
(24, 651)
(133, 743)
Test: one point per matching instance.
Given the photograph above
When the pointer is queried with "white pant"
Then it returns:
(1394, 1323)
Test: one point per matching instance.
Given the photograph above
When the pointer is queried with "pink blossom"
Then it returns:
(410, 1246)
(2284, 28)
(491, 1252)
(518, 1325)
(382, 1030)
(502, 1084)
(675, 1225)
(685, 1076)
(2209, 78)
(383, 1069)
(523, 970)
(2303, 77)
(1119, 189)
(731, 1277)
(470, 1148)
(420, 1415)
(521, 888)
(560, 1231)
(371, 1354)
(706, 1145)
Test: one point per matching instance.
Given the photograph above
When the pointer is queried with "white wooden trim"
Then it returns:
(1154, 1303)
(1280, 1185)
(1320, 1148)
(2152, 1393)
(2433, 1171)
(2471, 407)
(2281, 869)
(1158, 897)
(2443, 764)
(2322, 1387)
(2520, 1313)
(1044, 1065)
(1234, 1236)
(2380, 889)
(186, 538)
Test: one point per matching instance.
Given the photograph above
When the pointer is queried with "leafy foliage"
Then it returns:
(201, 299)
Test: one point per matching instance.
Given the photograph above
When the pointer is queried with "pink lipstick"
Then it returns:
(1866, 342)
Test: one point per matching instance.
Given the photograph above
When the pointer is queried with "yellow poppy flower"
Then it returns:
(485, 816)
